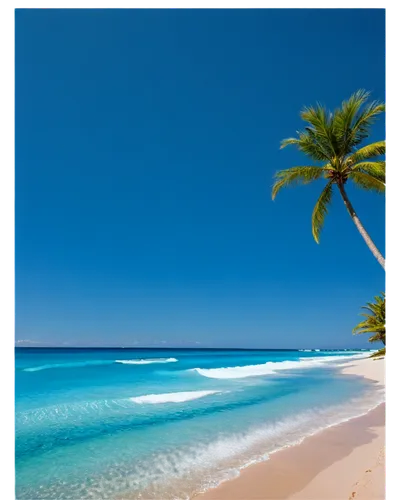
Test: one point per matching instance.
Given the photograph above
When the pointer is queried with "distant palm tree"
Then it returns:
(333, 139)
(374, 322)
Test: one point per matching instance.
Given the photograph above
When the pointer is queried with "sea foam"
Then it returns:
(271, 367)
(172, 397)
(81, 364)
(145, 361)
(74, 364)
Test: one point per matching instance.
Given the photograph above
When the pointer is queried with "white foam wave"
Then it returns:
(271, 367)
(172, 397)
(145, 361)
(74, 364)
(80, 364)
(333, 358)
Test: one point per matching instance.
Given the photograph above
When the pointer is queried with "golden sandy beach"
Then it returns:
(343, 462)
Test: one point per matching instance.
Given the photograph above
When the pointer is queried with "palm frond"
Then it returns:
(371, 307)
(375, 316)
(368, 182)
(309, 145)
(289, 141)
(363, 122)
(376, 338)
(320, 211)
(375, 320)
(321, 128)
(343, 118)
(367, 152)
(296, 175)
(378, 305)
(379, 354)
(366, 327)
(376, 169)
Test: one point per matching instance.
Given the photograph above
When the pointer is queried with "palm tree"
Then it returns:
(333, 140)
(374, 322)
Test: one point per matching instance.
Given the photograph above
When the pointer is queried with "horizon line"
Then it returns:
(200, 348)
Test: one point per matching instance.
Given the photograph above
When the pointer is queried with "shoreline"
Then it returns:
(352, 451)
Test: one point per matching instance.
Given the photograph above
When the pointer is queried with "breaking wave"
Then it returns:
(172, 397)
(271, 367)
(145, 361)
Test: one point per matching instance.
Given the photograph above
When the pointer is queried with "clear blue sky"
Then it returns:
(146, 142)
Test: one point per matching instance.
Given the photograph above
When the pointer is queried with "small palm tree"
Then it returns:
(374, 322)
(333, 140)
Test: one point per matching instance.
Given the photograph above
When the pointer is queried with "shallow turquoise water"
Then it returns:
(112, 423)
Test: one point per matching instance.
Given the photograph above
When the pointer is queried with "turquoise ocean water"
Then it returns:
(165, 424)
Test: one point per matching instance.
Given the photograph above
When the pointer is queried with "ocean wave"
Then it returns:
(80, 364)
(148, 361)
(271, 367)
(75, 364)
(172, 397)
(80, 412)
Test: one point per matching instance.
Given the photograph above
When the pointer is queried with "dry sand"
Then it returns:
(343, 462)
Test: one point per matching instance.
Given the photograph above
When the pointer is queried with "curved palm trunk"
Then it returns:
(360, 227)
